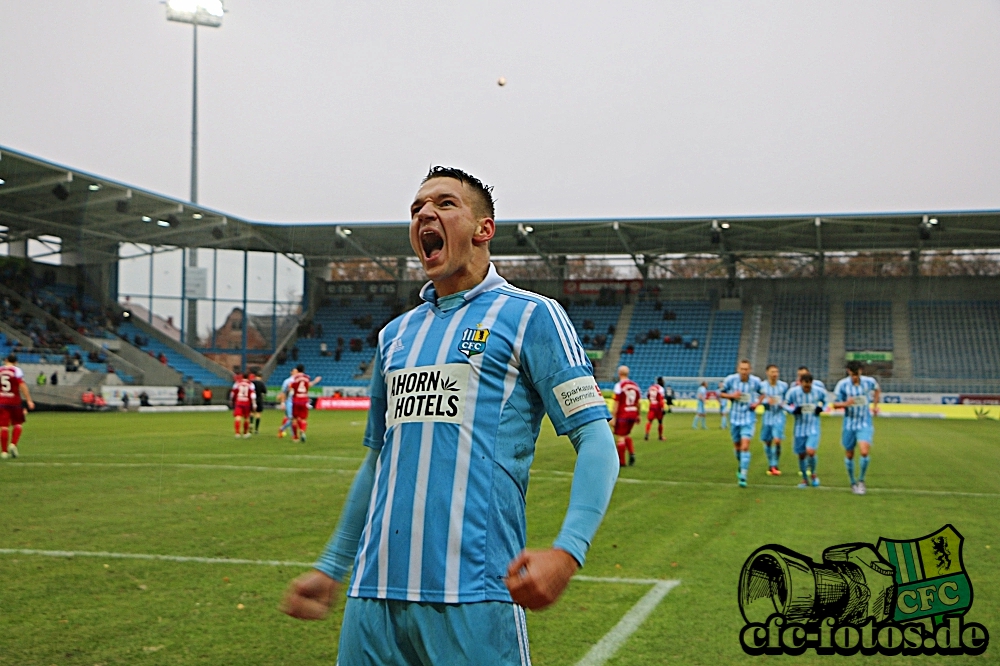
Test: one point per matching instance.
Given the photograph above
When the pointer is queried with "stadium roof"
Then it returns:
(39, 198)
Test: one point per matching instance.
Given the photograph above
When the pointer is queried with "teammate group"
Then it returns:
(858, 395)
(246, 398)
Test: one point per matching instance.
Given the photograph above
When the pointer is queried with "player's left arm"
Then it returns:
(26, 395)
(536, 578)
(313, 382)
(876, 399)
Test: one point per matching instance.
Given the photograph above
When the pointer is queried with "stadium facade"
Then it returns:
(919, 333)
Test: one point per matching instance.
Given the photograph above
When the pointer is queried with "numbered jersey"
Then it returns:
(656, 396)
(299, 389)
(243, 392)
(627, 394)
(10, 386)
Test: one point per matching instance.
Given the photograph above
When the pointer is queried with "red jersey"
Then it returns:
(11, 379)
(299, 389)
(627, 394)
(243, 392)
(657, 397)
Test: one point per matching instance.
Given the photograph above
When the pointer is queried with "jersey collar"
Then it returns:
(492, 281)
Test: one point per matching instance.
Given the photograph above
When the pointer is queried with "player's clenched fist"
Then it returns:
(309, 596)
(536, 578)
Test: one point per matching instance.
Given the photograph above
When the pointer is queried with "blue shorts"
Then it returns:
(288, 408)
(850, 438)
(772, 431)
(378, 632)
(803, 442)
(740, 432)
(700, 409)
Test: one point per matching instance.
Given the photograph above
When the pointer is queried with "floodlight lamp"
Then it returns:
(147, 218)
(199, 12)
(529, 230)
(197, 216)
(933, 221)
(93, 187)
(343, 232)
(126, 314)
(2, 181)
(162, 223)
(725, 225)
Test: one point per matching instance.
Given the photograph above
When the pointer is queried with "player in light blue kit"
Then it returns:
(745, 391)
(699, 413)
(806, 401)
(285, 398)
(434, 525)
(723, 405)
(772, 429)
(854, 394)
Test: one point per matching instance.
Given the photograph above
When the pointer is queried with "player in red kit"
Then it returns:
(12, 390)
(627, 394)
(298, 388)
(242, 396)
(657, 399)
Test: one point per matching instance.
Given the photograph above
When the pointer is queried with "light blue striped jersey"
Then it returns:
(740, 413)
(286, 386)
(466, 391)
(858, 416)
(701, 395)
(774, 414)
(806, 423)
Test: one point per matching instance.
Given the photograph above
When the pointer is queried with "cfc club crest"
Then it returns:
(930, 575)
(474, 341)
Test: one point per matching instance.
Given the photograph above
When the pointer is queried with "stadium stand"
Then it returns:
(665, 338)
(349, 328)
(594, 323)
(800, 334)
(955, 339)
(868, 326)
(132, 335)
(723, 344)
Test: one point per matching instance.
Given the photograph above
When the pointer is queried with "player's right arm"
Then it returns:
(843, 400)
(310, 596)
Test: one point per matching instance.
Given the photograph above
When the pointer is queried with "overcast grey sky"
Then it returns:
(318, 110)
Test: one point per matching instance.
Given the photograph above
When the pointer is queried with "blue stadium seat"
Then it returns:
(800, 335)
(955, 339)
(180, 363)
(868, 326)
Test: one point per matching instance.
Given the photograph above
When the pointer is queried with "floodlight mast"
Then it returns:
(208, 13)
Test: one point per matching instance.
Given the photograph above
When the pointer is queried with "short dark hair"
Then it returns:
(659, 380)
(483, 191)
(301, 367)
(12, 358)
(854, 367)
(770, 365)
(745, 360)
(806, 378)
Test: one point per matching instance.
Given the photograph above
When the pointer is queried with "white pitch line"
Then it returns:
(235, 468)
(264, 563)
(557, 475)
(609, 644)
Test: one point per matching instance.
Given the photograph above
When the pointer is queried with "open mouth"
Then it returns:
(431, 242)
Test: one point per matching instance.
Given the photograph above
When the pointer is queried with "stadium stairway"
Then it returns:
(902, 360)
(181, 358)
(836, 340)
(608, 367)
(129, 371)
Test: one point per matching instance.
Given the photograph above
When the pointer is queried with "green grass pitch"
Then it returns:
(180, 484)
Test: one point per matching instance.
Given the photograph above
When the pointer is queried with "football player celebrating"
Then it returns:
(854, 394)
(434, 533)
(657, 398)
(285, 400)
(13, 389)
(806, 401)
(627, 394)
(772, 429)
(744, 391)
